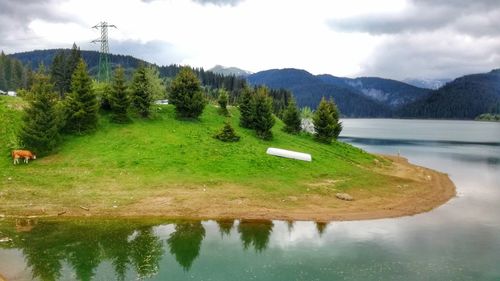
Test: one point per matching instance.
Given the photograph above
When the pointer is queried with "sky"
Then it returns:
(398, 39)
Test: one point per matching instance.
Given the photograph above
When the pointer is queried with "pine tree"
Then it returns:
(326, 123)
(263, 114)
(222, 101)
(336, 115)
(119, 99)
(142, 96)
(247, 108)
(186, 94)
(40, 130)
(81, 104)
(291, 118)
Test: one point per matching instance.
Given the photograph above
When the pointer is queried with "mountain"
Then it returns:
(359, 97)
(432, 84)
(464, 98)
(386, 91)
(309, 89)
(219, 69)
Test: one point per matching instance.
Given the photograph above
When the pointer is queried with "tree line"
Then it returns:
(13, 75)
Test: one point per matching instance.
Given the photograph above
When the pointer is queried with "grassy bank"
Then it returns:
(166, 166)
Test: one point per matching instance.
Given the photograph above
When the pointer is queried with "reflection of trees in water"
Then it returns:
(225, 226)
(321, 227)
(116, 248)
(84, 246)
(146, 252)
(185, 242)
(255, 233)
(289, 225)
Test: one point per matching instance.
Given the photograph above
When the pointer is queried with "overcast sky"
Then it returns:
(393, 38)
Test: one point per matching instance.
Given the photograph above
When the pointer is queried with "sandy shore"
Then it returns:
(413, 190)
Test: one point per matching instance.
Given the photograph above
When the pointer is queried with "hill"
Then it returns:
(309, 89)
(175, 168)
(463, 98)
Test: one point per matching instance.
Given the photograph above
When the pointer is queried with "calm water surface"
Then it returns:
(457, 241)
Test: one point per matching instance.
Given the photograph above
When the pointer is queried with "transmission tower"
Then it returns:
(104, 68)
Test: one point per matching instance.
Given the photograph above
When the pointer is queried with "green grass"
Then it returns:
(121, 164)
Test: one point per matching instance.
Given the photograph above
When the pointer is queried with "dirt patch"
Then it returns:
(411, 190)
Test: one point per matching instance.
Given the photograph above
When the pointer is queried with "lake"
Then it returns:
(457, 241)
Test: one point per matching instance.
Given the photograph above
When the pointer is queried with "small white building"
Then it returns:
(2, 92)
(161, 102)
(11, 94)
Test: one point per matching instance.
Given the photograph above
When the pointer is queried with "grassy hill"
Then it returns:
(165, 165)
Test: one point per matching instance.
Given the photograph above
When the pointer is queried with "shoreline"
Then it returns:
(425, 190)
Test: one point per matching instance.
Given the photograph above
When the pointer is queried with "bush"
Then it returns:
(222, 101)
(227, 134)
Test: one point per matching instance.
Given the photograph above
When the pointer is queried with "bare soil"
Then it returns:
(414, 190)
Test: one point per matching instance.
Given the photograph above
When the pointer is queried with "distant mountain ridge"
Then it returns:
(219, 69)
(463, 98)
(359, 97)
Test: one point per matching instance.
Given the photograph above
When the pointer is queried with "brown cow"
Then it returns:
(25, 154)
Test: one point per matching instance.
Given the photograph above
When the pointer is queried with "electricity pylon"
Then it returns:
(104, 68)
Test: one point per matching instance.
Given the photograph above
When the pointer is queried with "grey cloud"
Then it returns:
(15, 17)
(432, 56)
(431, 39)
(474, 18)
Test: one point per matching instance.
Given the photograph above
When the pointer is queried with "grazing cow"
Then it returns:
(25, 154)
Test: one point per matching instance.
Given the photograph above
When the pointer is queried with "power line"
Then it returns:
(104, 68)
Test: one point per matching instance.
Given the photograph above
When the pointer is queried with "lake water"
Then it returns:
(457, 241)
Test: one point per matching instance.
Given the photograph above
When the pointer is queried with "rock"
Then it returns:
(344, 196)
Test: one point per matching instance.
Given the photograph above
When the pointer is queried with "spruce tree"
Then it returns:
(291, 118)
(119, 99)
(336, 115)
(81, 104)
(326, 123)
(247, 108)
(186, 94)
(142, 96)
(40, 130)
(263, 114)
(222, 101)
(58, 74)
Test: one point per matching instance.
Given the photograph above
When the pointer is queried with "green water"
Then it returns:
(457, 241)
